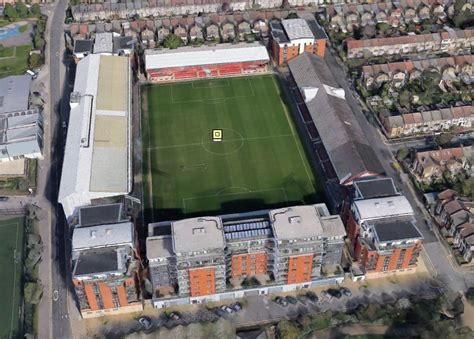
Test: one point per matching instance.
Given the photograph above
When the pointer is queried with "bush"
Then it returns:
(39, 42)
(35, 10)
(10, 13)
(172, 41)
(35, 60)
(21, 9)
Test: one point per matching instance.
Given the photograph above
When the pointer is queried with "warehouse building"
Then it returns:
(21, 136)
(205, 61)
(97, 158)
(293, 37)
(210, 258)
(14, 94)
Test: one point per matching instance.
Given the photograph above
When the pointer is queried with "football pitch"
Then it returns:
(254, 161)
(11, 234)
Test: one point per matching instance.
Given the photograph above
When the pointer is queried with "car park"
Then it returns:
(346, 292)
(145, 322)
(312, 296)
(291, 300)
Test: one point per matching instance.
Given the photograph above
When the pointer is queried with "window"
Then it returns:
(386, 261)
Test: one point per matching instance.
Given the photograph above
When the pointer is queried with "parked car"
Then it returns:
(345, 291)
(236, 307)
(291, 300)
(3, 198)
(312, 296)
(334, 292)
(174, 316)
(145, 322)
(325, 294)
(281, 301)
(227, 309)
(219, 312)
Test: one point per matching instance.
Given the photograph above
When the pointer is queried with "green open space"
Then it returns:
(260, 162)
(15, 60)
(11, 262)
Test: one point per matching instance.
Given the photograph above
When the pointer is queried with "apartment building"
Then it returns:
(293, 37)
(449, 41)
(210, 257)
(381, 227)
(104, 267)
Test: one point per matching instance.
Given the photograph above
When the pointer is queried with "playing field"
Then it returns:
(11, 235)
(260, 162)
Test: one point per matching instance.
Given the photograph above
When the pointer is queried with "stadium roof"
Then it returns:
(14, 93)
(197, 234)
(205, 55)
(377, 208)
(97, 160)
(102, 236)
(340, 132)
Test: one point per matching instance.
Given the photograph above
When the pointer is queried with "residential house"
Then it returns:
(162, 33)
(212, 33)
(196, 34)
(244, 30)
(148, 38)
(181, 32)
(228, 32)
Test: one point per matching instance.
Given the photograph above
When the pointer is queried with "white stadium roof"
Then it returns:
(97, 159)
(205, 55)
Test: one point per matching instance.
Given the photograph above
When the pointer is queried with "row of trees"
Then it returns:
(20, 11)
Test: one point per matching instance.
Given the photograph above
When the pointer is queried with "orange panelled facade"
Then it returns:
(299, 268)
(249, 264)
(399, 259)
(202, 281)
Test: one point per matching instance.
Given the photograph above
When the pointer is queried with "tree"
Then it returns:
(10, 12)
(39, 42)
(292, 15)
(405, 99)
(35, 10)
(444, 139)
(21, 9)
(33, 292)
(172, 41)
(36, 60)
(402, 153)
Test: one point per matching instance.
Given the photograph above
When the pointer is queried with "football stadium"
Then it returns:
(222, 145)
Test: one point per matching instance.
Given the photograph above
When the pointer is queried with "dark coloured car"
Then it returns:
(3, 198)
(346, 292)
(236, 307)
(312, 296)
(219, 312)
(334, 292)
(291, 299)
(145, 322)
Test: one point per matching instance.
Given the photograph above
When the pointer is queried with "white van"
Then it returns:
(33, 74)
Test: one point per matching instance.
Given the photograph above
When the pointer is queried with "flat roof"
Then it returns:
(296, 222)
(297, 29)
(396, 230)
(159, 247)
(103, 43)
(375, 187)
(205, 55)
(101, 214)
(197, 234)
(112, 89)
(333, 226)
(14, 93)
(103, 260)
(83, 46)
(102, 236)
(378, 208)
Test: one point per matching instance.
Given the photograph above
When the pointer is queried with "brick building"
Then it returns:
(284, 247)
(205, 61)
(293, 37)
(104, 267)
(381, 227)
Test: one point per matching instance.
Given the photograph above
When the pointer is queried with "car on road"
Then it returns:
(291, 300)
(236, 307)
(145, 322)
(3, 198)
(174, 316)
(227, 309)
(281, 301)
(346, 292)
(312, 296)
(334, 292)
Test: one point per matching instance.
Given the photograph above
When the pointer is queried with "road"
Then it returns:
(455, 278)
(61, 326)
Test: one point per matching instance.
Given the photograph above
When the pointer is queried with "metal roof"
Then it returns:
(103, 43)
(205, 55)
(102, 236)
(14, 93)
(297, 29)
(343, 138)
(378, 208)
(97, 160)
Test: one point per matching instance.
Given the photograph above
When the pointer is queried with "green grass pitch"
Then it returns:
(11, 261)
(260, 162)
